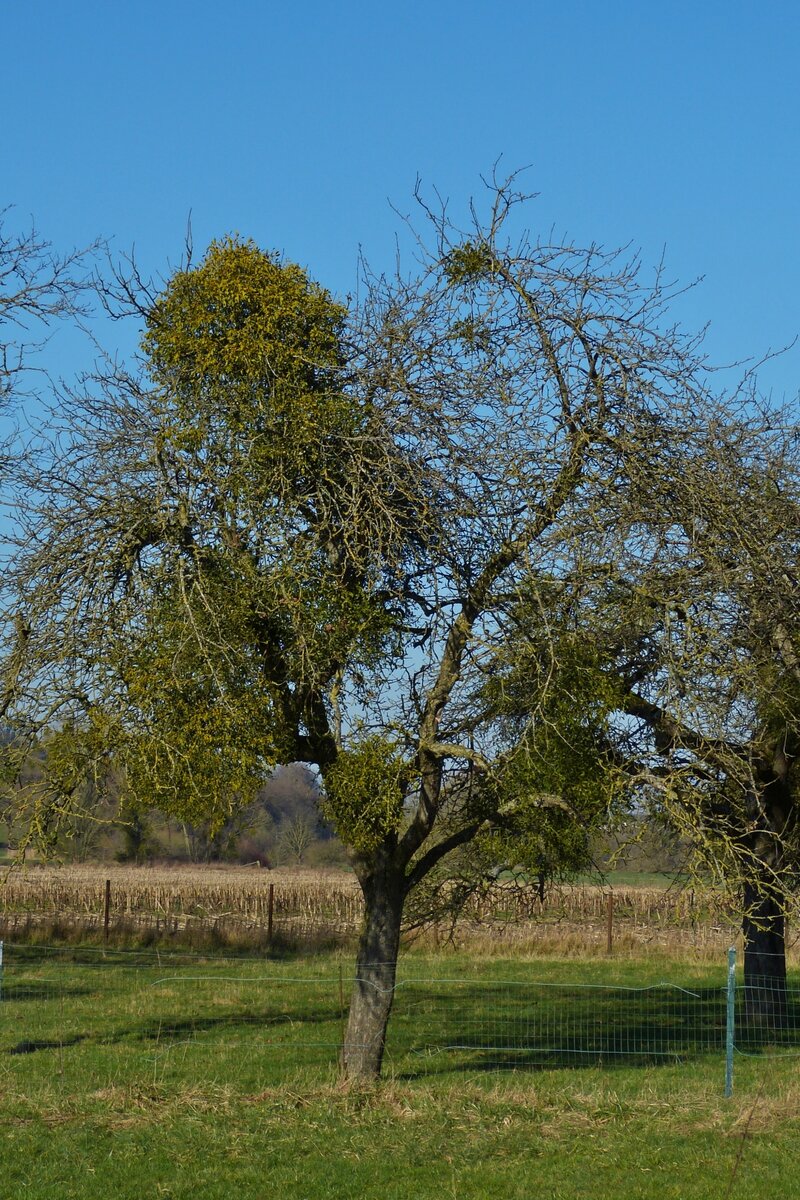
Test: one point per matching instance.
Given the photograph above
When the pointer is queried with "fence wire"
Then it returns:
(524, 1022)
(267, 1016)
(767, 1009)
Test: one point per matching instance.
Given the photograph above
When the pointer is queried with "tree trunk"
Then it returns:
(376, 966)
(764, 956)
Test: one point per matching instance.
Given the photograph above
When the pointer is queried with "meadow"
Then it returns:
(152, 1071)
(135, 1073)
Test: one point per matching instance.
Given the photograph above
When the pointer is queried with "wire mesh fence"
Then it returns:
(767, 1009)
(524, 1022)
(264, 1017)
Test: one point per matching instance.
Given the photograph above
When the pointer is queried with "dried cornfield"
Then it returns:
(324, 904)
(303, 902)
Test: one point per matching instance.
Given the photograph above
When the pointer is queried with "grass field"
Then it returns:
(137, 1075)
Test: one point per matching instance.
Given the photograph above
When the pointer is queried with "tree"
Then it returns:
(712, 675)
(298, 534)
(295, 838)
(38, 287)
(695, 625)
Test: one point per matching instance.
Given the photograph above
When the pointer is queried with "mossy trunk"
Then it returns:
(376, 968)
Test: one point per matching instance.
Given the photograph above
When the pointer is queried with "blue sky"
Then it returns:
(672, 126)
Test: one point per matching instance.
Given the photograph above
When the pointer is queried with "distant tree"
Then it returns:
(138, 839)
(292, 791)
(295, 838)
(640, 842)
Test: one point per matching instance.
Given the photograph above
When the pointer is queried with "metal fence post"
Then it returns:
(729, 1022)
(1, 970)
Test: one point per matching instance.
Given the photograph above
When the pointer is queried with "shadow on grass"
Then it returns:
(180, 1030)
(27, 955)
(546, 1028)
(39, 990)
(438, 1027)
(30, 1047)
(443, 1063)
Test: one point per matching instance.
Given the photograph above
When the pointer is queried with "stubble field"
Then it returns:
(229, 907)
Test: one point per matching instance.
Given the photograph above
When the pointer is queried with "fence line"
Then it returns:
(126, 1001)
(329, 903)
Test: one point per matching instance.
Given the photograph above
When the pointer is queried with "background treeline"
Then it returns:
(281, 826)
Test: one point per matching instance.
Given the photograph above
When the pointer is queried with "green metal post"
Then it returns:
(729, 1023)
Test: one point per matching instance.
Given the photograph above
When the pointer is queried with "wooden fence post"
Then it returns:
(107, 910)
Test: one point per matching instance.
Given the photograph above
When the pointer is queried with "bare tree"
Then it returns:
(295, 838)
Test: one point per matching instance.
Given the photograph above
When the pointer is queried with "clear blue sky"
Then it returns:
(672, 125)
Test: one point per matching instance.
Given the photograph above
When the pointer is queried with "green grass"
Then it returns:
(627, 878)
(648, 879)
(139, 1076)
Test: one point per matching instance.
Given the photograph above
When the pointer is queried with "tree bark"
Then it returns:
(763, 922)
(764, 956)
(376, 968)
